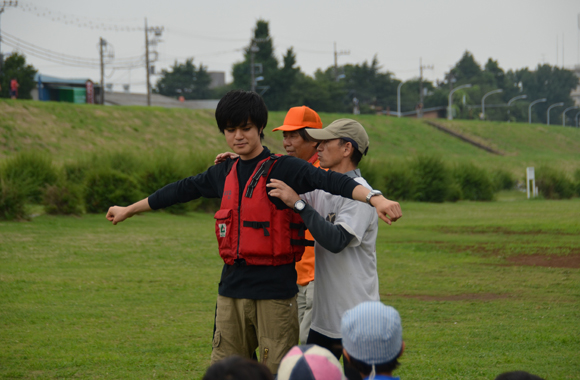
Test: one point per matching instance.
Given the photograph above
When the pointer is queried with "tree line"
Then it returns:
(284, 85)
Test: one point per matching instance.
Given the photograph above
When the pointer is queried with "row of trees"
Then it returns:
(284, 85)
(552, 83)
(15, 67)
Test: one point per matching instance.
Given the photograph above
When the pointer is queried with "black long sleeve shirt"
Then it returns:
(255, 281)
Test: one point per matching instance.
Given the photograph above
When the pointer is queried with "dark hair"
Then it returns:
(305, 136)
(517, 375)
(366, 369)
(356, 155)
(237, 107)
(238, 368)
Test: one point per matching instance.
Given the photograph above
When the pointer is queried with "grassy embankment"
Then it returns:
(80, 298)
(72, 131)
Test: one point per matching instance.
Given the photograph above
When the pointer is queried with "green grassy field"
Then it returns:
(482, 288)
(70, 131)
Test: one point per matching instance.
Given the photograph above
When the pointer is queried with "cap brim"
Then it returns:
(321, 134)
(289, 128)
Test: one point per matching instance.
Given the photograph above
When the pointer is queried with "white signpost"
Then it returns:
(531, 176)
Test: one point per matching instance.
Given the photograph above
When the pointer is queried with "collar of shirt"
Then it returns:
(353, 173)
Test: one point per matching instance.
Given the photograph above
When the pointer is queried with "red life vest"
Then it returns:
(256, 230)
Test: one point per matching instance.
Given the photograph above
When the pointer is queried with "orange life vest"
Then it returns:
(256, 230)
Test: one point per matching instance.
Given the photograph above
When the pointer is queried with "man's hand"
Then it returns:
(389, 211)
(283, 191)
(117, 214)
(224, 156)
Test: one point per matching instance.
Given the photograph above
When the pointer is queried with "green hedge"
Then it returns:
(12, 200)
(554, 184)
(94, 183)
(106, 187)
(30, 172)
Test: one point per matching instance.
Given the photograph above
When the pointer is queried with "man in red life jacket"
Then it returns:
(259, 237)
(298, 144)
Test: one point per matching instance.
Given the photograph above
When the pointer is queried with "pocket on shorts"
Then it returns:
(217, 338)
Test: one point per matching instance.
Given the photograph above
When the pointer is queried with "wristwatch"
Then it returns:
(299, 205)
(371, 194)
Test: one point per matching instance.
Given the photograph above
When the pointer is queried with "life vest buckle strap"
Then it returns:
(302, 242)
(255, 179)
(301, 227)
(253, 224)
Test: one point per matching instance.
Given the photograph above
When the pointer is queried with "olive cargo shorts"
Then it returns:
(242, 325)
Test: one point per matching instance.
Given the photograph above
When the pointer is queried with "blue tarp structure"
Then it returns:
(64, 89)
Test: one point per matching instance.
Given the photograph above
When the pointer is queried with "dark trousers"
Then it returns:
(335, 346)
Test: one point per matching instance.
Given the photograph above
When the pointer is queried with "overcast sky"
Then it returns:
(517, 33)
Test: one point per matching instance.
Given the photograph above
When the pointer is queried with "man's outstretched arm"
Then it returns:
(118, 214)
(389, 211)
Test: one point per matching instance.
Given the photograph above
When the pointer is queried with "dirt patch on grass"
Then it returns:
(568, 261)
(519, 255)
(456, 297)
(552, 257)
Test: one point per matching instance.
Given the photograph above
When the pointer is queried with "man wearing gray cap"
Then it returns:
(372, 338)
(344, 231)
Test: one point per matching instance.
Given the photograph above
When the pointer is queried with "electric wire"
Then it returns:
(65, 59)
(78, 21)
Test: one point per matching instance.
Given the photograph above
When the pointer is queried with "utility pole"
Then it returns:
(3, 5)
(336, 54)
(421, 93)
(102, 44)
(147, 64)
(157, 30)
(253, 50)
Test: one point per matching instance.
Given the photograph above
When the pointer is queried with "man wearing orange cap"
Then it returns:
(297, 143)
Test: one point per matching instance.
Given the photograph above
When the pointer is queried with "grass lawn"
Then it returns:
(482, 288)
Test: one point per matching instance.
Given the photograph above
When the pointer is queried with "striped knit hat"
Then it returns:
(372, 333)
(310, 362)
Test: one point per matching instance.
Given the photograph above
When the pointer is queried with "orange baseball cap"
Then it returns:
(300, 117)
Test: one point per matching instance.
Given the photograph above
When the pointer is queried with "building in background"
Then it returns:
(55, 89)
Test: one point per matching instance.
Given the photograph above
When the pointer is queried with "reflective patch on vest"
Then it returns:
(223, 230)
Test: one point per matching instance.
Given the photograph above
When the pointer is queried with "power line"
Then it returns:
(65, 59)
(73, 20)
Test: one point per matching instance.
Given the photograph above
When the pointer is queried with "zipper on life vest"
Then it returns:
(239, 227)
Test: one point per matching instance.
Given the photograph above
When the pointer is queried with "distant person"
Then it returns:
(310, 362)
(14, 88)
(517, 375)
(238, 368)
(372, 337)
